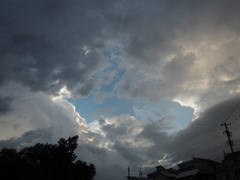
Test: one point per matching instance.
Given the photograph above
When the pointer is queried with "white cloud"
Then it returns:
(187, 52)
(33, 111)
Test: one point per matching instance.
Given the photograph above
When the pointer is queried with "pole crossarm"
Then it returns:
(229, 135)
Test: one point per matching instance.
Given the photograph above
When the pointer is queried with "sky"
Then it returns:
(142, 82)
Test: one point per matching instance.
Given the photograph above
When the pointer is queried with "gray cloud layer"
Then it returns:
(44, 44)
(127, 141)
(187, 51)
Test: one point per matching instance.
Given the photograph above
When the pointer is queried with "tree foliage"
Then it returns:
(45, 161)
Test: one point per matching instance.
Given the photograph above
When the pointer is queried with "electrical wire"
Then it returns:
(232, 111)
(211, 150)
(235, 119)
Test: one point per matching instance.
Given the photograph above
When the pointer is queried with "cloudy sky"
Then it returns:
(142, 82)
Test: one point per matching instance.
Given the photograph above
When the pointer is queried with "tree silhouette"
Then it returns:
(45, 161)
(88, 169)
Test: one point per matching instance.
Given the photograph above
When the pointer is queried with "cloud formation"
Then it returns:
(179, 53)
(187, 52)
(126, 141)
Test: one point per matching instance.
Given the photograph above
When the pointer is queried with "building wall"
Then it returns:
(230, 174)
(159, 177)
(204, 167)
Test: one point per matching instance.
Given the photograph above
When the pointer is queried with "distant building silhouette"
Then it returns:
(198, 169)
(136, 178)
(162, 174)
(231, 167)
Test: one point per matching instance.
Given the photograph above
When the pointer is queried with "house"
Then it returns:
(136, 178)
(162, 174)
(231, 167)
(198, 169)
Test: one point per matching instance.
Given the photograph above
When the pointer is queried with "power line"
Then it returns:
(211, 155)
(232, 111)
(212, 149)
(236, 119)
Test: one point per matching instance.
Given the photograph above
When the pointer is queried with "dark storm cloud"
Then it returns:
(49, 44)
(28, 138)
(201, 135)
(155, 131)
(168, 48)
(170, 43)
(132, 154)
(156, 134)
(42, 45)
(5, 105)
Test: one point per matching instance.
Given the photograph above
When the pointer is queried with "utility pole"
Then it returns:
(229, 135)
(128, 172)
(140, 172)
